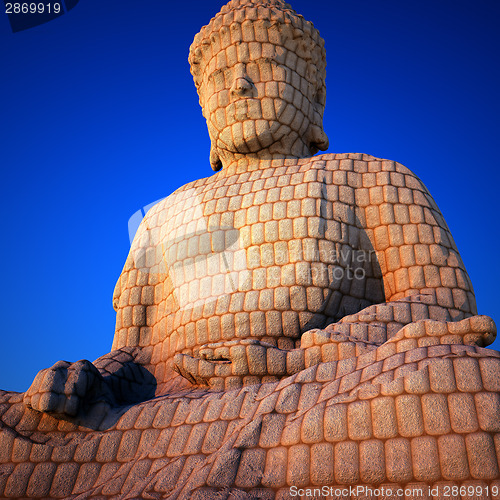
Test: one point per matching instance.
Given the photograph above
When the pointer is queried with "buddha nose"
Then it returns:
(242, 85)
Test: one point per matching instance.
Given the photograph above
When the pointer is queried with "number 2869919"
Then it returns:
(33, 8)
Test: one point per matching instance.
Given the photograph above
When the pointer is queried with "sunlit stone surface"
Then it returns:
(292, 321)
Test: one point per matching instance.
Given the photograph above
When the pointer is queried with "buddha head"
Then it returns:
(259, 69)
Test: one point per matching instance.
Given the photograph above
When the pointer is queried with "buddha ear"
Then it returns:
(318, 140)
(215, 162)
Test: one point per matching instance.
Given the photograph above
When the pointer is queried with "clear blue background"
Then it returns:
(99, 117)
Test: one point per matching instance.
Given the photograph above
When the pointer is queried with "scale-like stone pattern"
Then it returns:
(264, 265)
(290, 321)
(397, 414)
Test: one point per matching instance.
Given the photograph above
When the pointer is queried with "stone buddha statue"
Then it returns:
(292, 321)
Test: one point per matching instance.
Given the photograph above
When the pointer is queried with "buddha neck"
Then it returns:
(235, 163)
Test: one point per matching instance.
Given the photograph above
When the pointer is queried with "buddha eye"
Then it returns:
(217, 78)
(252, 71)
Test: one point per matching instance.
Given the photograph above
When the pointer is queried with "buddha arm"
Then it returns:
(414, 247)
(424, 277)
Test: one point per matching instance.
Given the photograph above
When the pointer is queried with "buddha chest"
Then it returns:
(263, 244)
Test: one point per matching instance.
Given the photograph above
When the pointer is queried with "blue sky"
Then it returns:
(100, 118)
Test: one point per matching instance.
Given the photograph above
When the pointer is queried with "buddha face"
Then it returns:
(261, 97)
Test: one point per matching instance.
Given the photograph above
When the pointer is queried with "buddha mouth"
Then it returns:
(244, 108)
(241, 109)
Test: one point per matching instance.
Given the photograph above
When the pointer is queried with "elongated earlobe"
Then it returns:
(215, 162)
(318, 140)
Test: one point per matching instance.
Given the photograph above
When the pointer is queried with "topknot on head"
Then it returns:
(235, 4)
(272, 21)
